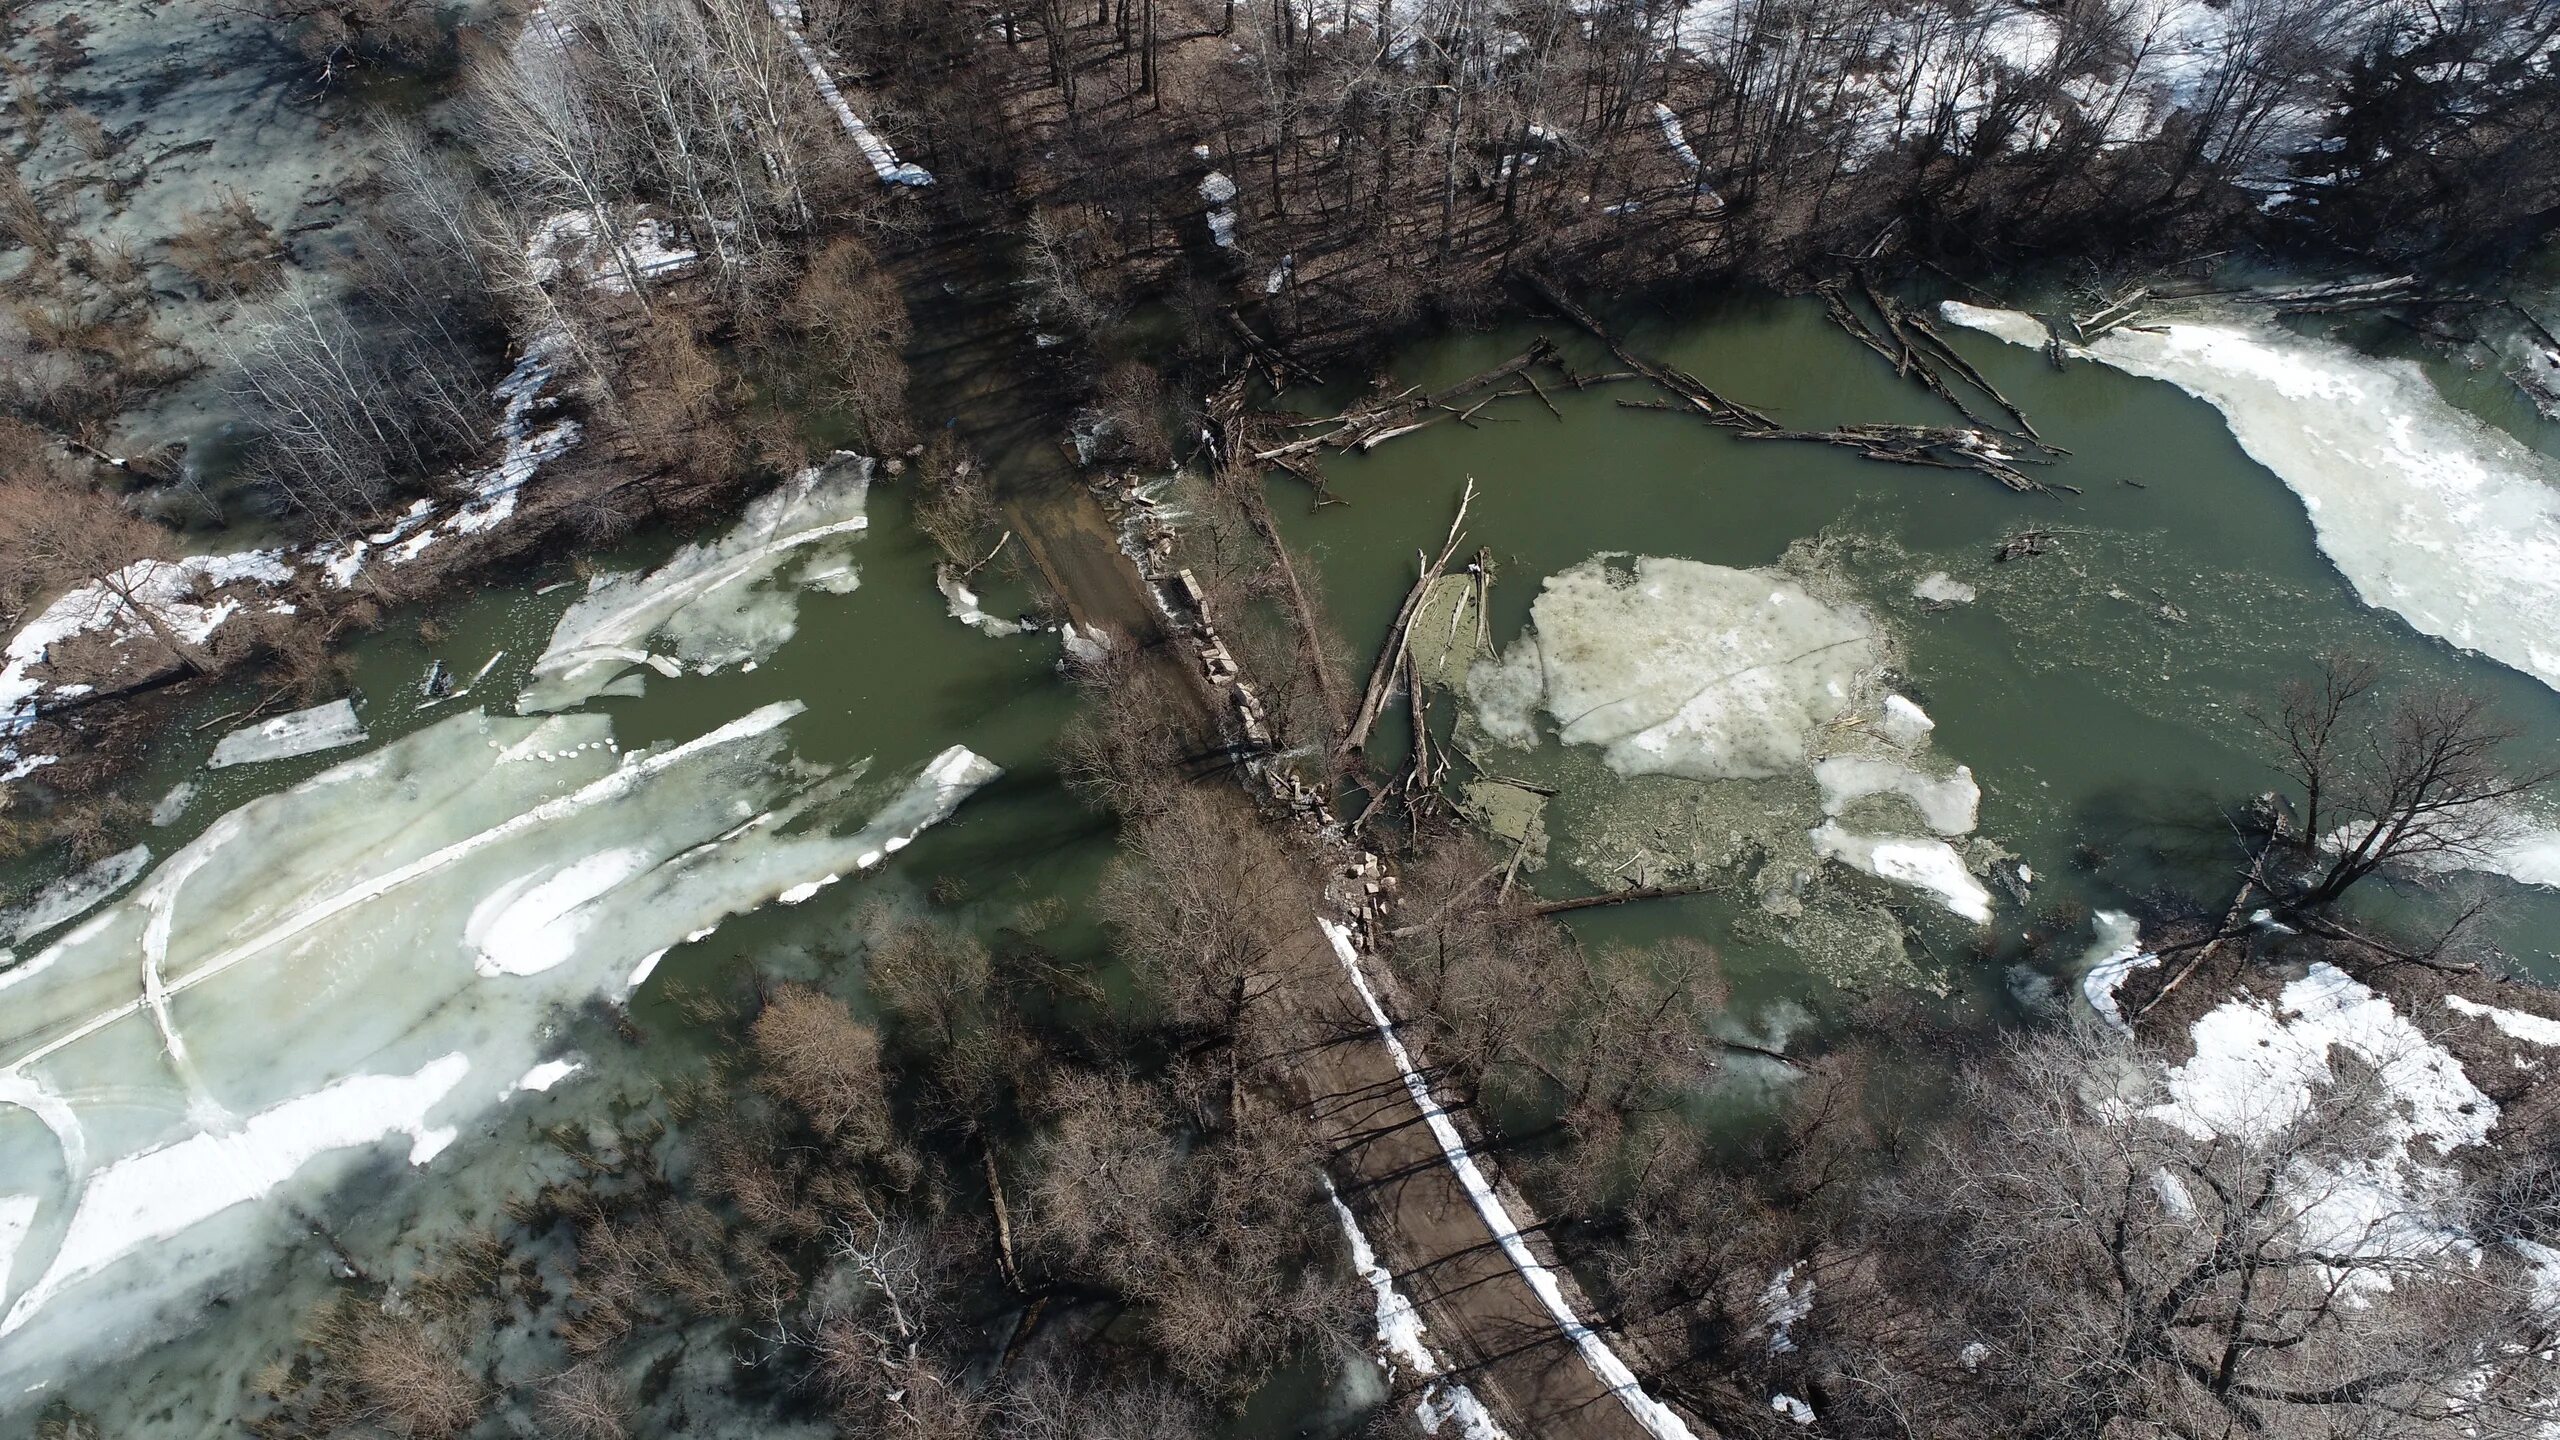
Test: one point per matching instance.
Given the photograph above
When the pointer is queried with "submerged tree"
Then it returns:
(2422, 778)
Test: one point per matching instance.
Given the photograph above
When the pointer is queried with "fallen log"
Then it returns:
(1944, 447)
(1382, 675)
(1671, 378)
(1617, 897)
(1364, 427)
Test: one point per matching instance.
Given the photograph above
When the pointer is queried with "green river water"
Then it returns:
(2097, 692)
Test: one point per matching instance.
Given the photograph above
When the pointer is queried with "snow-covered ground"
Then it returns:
(377, 953)
(194, 597)
(2427, 511)
(2255, 1070)
(884, 161)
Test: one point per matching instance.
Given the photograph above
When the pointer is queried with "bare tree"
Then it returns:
(2065, 1263)
(57, 534)
(346, 413)
(825, 1063)
(2422, 779)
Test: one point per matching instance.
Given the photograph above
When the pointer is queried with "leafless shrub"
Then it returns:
(227, 249)
(24, 215)
(59, 46)
(402, 1377)
(586, 1402)
(852, 307)
(88, 134)
(813, 1055)
(955, 500)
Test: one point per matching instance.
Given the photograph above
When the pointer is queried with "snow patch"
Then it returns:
(884, 161)
(2533, 1029)
(2255, 1069)
(1400, 1332)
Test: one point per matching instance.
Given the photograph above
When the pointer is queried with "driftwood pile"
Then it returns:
(1917, 352)
(1907, 342)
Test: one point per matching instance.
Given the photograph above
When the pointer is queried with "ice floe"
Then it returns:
(1946, 804)
(1939, 588)
(1678, 667)
(1930, 866)
(71, 897)
(331, 726)
(964, 603)
(715, 604)
(377, 951)
(2427, 511)
(547, 1074)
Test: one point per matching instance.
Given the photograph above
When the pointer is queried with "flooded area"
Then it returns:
(346, 995)
(2098, 692)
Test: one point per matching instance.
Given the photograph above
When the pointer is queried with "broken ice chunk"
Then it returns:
(73, 896)
(1931, 866)
(304, 732)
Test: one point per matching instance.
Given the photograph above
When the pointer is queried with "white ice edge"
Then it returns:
(156, 1193)
(884, 161)
(619, 782)
(1400, 1332)
(2427, 511)
(1657, 1419)
(2113, 956)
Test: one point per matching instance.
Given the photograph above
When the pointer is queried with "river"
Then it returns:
(379, 995)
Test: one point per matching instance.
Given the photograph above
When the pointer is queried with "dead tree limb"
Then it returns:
(1672, 379)
(1617, 897)
(1382, 676)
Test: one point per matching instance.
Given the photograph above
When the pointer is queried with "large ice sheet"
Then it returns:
(1678, 668)
(372, 953)
(2428, 512)
(716, 604)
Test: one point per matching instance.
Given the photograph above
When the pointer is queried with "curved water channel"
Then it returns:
(2097, 694)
